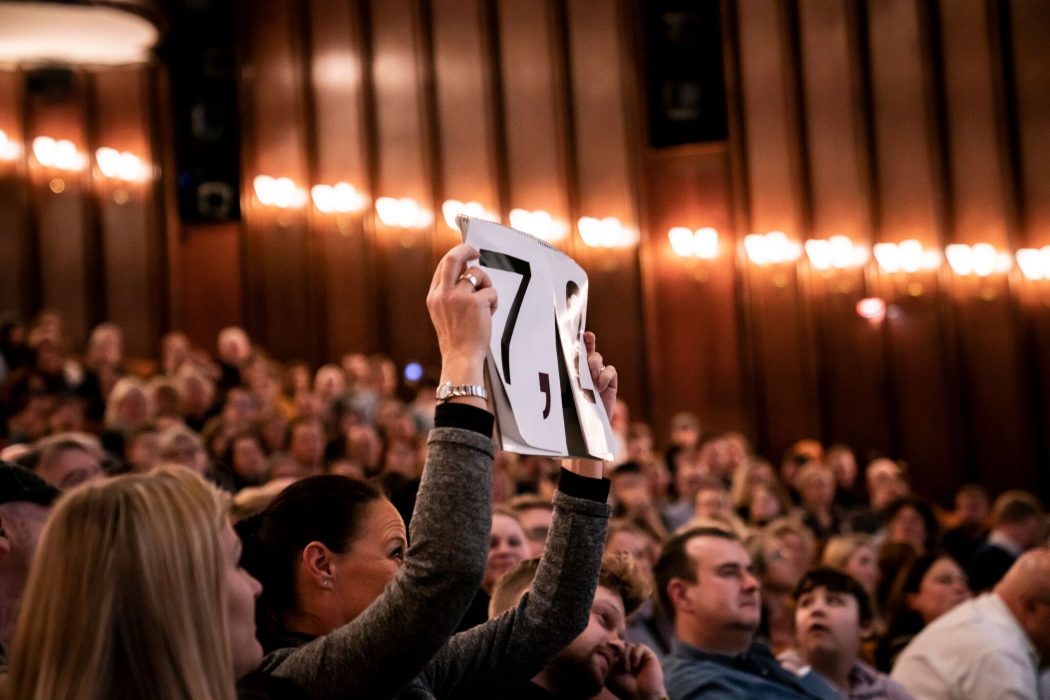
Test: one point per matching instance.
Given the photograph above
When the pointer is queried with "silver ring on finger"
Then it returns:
(470, 278)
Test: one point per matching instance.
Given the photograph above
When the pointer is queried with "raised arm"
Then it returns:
(387, 645)
(509, 650)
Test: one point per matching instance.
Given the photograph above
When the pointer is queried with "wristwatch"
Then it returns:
(448, 390)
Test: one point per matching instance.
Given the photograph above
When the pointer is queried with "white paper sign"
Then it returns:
(544, 399)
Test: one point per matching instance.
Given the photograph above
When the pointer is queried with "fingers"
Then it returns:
(452, 265)
(607, 377)
(589, 341)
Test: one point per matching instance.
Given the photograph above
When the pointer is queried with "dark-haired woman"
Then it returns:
(927, 588)
(356, 617)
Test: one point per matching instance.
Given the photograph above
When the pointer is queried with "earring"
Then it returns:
(326, 583)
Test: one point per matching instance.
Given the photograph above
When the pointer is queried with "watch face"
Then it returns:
(444, 391)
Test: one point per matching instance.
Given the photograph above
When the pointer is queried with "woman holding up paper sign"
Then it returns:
(349, 611)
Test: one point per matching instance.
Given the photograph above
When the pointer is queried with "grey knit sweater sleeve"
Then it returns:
(507, 651)
(387, 645)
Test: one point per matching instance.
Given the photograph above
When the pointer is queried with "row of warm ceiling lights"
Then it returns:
(839, 252)
(63, 155)
(407, 213)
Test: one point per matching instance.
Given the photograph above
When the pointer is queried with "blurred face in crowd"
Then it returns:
(175, 350)
(241, 592)
(234, 346)
(507, 546)
(816, 487)
(863, 565)
(373, 559)
(827, 625)
(330, 382)
(131, 409)
(689, 475)
(67, 467)
(907, 525)
(631, 491)
(639, 546)
(364, 445)
(249, 461)
(400, 458)
(306, 445)
(843, 466)
(639, 443)
(885, 483)
(537, 523)
(785, 561)
(942, 588)
(239, 409)
(712, 503)
(144, 450)
(764, 505)
(187, 452)
(657, 478)
(972, 506)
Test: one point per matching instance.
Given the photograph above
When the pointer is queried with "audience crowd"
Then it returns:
(220, 524)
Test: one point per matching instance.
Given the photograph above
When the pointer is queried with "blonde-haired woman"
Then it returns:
(136, 592)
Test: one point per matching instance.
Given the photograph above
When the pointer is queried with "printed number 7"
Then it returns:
(508, 263)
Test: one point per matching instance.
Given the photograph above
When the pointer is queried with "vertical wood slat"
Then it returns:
(988, 334)
(1026, 25)
(697, 362)
(535, 159)
(15, 283)
(406, 258)
(853, 392)
(920, 348)
(276, 241)
(62, 227)
(779, 321)
(463, 97)
(344, 242)
(131, 293)
(603, 183)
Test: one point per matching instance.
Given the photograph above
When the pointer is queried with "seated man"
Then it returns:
(705, 582)
(598, 658)
(1017, 525)
(989, 647)
(832, 614)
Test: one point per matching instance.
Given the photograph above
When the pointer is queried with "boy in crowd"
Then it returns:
(832, 615)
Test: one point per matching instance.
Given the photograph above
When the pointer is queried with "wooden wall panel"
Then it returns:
(694, 359)
(212, 287)
(129, 237)
(783, 370)
(64, 220)
(533, 120)
(926, 390)
(604, 185)
(465, 109)
(771, 146)
(851, 354)
(1027, 23)
(407, 259)
(995, 378)
(851, 391)
(17, 283)
(279, 279)
(833, 128)
(343, 241)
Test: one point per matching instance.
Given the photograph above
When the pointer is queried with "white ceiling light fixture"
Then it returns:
(48, 32)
